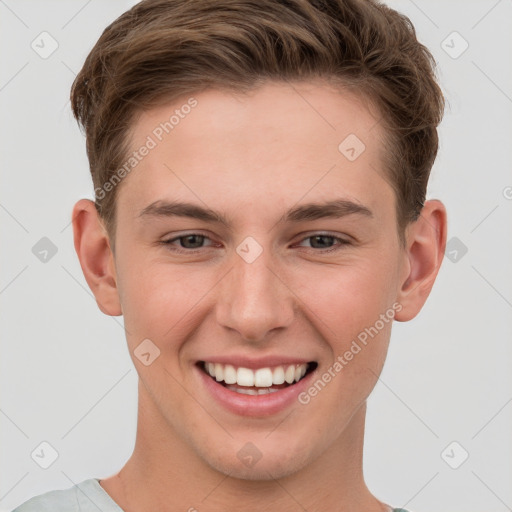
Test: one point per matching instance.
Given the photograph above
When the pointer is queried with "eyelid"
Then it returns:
(180, 251)
(342, 241)
(341, 236)
(175, 238)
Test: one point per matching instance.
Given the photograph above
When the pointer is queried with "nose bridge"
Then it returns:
(253, 300)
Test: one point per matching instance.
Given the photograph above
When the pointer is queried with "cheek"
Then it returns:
(160, 301)
(352, 307)
(347, 299)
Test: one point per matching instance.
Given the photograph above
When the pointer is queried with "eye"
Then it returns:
(193, 242)
(189, 243)
(323, 241)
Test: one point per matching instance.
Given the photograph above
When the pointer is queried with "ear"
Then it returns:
(92, 246)
(425, 246)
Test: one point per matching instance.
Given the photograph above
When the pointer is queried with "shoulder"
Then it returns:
(78, 498)
(63, 500)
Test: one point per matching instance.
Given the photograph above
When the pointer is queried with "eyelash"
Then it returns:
(342, 243)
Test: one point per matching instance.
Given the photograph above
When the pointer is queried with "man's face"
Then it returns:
(267, 290)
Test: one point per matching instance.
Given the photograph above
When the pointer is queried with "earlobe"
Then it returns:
(426, 243)
(96, 258)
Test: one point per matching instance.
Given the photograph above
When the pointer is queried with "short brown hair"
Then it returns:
(160, 50)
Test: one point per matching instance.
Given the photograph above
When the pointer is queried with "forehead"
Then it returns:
(273, 146)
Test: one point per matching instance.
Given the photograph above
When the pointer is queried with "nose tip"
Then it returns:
(254, 301)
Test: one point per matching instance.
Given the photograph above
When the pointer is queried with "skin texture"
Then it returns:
(252, 157)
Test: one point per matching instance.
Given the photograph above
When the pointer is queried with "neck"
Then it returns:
(164, 473)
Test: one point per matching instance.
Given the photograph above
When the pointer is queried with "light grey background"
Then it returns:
(66, 376)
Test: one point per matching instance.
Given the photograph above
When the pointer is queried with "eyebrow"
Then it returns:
(307, 212)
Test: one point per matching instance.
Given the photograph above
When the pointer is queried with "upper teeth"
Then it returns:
(262, 377)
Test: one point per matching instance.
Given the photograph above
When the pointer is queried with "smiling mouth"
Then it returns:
(261, 381)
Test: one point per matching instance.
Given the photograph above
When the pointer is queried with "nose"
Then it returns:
(254, 299)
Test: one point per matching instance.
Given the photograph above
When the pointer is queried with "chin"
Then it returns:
(265, 465)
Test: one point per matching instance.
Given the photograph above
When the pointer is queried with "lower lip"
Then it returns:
(255, 405)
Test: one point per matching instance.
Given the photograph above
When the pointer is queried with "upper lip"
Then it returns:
(242, 361)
